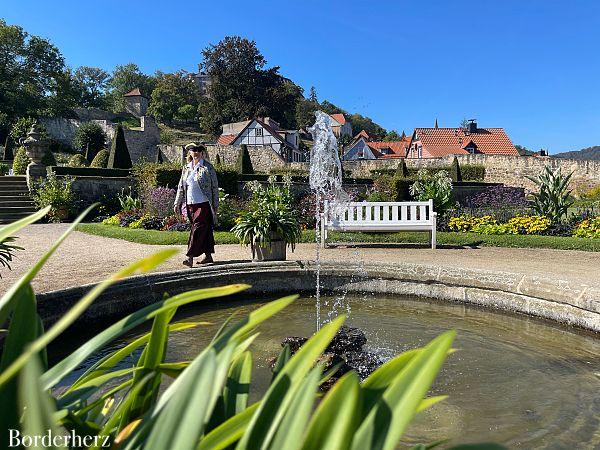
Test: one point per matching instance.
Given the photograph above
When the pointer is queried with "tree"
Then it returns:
(89, 139)
(402, 170)
(312, 96)
(305, 113)
(119, 153)
(124, 79)
(172, 92)
(365, 123)
(29, 68)
(392, 136)
(92, 83)
(244, 163)
(455, 173)
(241, 88)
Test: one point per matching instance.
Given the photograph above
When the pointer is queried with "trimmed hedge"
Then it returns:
(392, 188)
(89, 171)
(100, 161)
(468, 172)
(472, 172)
(149, 174)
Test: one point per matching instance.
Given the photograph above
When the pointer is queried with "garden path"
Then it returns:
(84, 258)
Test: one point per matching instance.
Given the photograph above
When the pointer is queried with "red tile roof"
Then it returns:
(134, 93)
(399, 148)
(226, 139)
(339, 118)
(363, 134)
(448, 141)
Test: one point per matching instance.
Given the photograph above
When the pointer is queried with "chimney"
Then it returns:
(472, 126)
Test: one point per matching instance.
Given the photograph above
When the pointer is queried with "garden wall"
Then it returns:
(263, 157)
(92, 189)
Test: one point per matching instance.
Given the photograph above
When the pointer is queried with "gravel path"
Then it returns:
(84, 258)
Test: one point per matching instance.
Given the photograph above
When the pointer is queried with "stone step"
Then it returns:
(13, 190)
(13, 217)
(16, 201)
(19, 178)
(17, 209)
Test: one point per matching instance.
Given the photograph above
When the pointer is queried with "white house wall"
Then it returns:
(249, 137)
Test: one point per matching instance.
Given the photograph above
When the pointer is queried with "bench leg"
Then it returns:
(433, 234)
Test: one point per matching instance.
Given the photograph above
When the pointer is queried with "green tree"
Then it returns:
(244, 163)
(29, 69)
(305, 113)
(89, 139)
(92, 83)
(312, 96)
(392, 136)
(242, 88)
(124, 79)
(119, 153)
(365, 123)
(172, 92)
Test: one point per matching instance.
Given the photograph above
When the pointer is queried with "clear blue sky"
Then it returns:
(530, 66)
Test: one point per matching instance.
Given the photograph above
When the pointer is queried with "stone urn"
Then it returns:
(36, 147)
(276, 251)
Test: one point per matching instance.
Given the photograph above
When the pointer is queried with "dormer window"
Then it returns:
(470, 149)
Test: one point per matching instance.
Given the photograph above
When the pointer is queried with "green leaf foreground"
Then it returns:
(205, 406)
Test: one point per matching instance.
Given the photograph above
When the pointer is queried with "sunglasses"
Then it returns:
(196, 150)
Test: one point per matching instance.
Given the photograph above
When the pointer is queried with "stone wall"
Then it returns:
(172, 153)
(141, 142)
(263, 158)
(510, 170)
(92, 189)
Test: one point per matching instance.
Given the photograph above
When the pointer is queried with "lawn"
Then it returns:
(154, 237)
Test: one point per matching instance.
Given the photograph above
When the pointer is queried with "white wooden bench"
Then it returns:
(379, 216)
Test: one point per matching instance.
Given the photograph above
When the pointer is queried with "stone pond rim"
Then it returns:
(566, 302)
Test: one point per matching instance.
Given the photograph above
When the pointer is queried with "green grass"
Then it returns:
(153, 237)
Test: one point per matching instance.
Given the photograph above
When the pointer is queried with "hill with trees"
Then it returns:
(589, 153)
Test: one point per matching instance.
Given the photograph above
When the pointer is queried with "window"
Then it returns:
(420, 152)
(258, 131)
(470, 149)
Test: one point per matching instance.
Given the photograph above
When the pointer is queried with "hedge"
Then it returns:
(168, 175)
(392, 188)
(469, 172)
(89, 171)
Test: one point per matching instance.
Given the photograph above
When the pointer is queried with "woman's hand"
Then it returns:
(176, 209)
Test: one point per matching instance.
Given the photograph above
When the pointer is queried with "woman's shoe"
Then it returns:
(206, 260)
(188, 262)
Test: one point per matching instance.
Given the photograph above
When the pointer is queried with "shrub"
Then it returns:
(48, 159)
(489, 225)
(467, 223)
(167, 136)
(437, 187)
(229, 209)
(472, 172)
(100, 161)
(20, 162)
(386, 187)
(89, 139)
(589, 228)
(112, 220)
(158, 201)
(499, 197)
(137, 223)
(554, 197)
(4, 169)
(128, 202)
(592, 194)
(129, 216)
(244, 163)
(20, 129)
(78, 161)
(454, 171)
(402, 170)
(56, 193)
(119, 154)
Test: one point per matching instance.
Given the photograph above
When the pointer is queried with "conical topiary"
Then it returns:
(20, 162)
(402, 170)
(8, 151)
(119, 154)
(100, 161)
(455, 170)
(244, 163)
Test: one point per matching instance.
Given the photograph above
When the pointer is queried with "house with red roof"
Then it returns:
(364, 147)
(263, 132)
(438, 142)
(340, 125)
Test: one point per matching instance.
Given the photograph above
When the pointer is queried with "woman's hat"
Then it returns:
(192, 145)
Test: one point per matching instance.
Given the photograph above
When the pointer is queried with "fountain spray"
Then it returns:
(325, 178)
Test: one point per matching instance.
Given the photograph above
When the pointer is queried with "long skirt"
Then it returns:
(201, 235)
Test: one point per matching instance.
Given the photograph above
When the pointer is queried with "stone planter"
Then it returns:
(275, 252)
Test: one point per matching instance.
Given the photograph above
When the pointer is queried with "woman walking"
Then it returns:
(199, 189)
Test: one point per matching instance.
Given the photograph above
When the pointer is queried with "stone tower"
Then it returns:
(136, 103)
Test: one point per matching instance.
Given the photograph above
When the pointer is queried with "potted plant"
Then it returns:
(56, 193)
(270, 224)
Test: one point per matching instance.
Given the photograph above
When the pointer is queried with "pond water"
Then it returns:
(515, 380)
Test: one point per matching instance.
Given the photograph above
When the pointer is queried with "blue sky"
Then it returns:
(530, 66)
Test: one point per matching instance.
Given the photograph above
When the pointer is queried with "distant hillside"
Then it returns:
(590, 153)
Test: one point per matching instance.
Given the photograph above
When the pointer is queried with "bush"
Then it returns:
(437, 187)
(229, 209)
(56, 193)
(589, 228)
(20, 162)
(454, 171)
(472, 172)
(528, 224)
(524, 224)
(100, 161)
(48, 159)
(167, 137)
(119, 153)
(4, 169)
(20, 129)
(466, 223)
(158, 201)
(386, 188)
(89, 139)
(244, 163)
(499, 197)
(402, 170)
(78, 161)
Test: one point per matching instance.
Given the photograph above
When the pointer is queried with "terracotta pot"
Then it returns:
(62, 214)
(275, 252)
